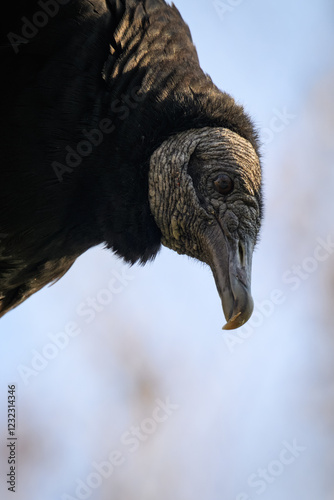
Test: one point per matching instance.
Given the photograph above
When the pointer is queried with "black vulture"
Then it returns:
(112, 133)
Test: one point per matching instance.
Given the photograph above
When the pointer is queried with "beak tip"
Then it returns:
(234, 322)
(241, 317)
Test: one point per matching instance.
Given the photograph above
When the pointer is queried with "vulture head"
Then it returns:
(204, 194)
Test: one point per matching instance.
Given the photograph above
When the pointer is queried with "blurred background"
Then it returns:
(139, 394)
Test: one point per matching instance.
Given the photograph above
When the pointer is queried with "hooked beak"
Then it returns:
(231, 263)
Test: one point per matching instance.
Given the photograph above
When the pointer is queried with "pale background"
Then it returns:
(240, 398)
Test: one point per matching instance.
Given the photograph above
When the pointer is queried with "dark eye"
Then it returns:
(223, 184)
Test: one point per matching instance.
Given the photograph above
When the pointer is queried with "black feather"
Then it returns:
(126, 67)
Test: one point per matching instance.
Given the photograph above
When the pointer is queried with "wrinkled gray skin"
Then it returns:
(196, 220)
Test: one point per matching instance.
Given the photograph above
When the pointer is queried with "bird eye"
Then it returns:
(223, 184)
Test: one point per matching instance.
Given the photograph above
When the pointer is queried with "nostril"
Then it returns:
(241, 254)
